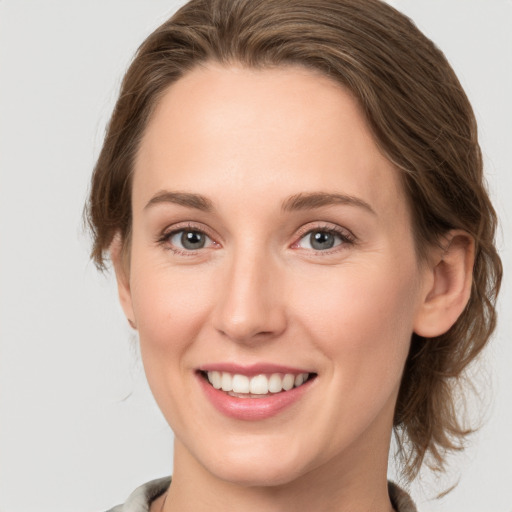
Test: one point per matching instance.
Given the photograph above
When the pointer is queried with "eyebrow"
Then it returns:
(305, 201)
(302, 201)
(187, 199)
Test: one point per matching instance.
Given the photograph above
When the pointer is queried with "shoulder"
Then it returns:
(400, 500)
(140, 499)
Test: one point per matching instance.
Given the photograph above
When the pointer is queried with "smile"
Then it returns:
(243, 386)
(254, 393)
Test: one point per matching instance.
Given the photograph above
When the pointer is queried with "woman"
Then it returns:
(292, 199)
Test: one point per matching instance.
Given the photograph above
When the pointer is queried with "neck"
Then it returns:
(356, 482)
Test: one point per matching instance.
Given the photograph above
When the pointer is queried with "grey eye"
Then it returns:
(189, 240)
(322, 240)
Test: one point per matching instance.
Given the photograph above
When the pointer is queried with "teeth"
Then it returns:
(257, 385)
(215, 379)
(288, 381)
(275, 383)
(226, 382)
(240, 383)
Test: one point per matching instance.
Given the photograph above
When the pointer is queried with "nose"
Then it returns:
(251, 302)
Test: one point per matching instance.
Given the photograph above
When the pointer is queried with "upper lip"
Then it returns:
(252, 369)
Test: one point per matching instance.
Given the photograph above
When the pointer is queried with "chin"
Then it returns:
(258, 467)
(270, 475)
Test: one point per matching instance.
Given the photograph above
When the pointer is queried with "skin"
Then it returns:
(248, 140)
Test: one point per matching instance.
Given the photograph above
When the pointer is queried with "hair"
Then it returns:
(421, 120)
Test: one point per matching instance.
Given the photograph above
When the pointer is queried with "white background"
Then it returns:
(78, 427)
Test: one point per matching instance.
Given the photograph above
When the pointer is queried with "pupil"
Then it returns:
(322, 240)
(192, 240)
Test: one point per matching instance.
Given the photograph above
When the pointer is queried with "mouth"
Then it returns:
(262, 385)
(254, 392)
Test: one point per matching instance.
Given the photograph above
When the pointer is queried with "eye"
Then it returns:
(189, 240)
(322, 239)
(186, 240)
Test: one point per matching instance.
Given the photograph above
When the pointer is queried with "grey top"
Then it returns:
(140, 499)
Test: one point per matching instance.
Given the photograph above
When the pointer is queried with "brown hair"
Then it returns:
(420, 117)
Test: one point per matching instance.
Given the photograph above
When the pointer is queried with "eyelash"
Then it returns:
(164, 238)
(346, 237)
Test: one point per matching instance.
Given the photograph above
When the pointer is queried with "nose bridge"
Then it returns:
(249, 306)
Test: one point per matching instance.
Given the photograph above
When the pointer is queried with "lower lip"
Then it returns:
(252, 409)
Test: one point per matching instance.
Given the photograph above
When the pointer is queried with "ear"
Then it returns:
(448, 285)
(122, 270)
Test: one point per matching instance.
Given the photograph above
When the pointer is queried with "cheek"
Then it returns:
(362, 320)
(170, 310)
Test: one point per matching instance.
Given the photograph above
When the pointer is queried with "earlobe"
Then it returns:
(122, 271)
(449, 285)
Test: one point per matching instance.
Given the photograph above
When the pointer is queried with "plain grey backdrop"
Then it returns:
(78, 427)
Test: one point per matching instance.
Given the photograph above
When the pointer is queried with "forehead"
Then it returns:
(287, 127)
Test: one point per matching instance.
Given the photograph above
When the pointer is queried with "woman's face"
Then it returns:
(271, 242)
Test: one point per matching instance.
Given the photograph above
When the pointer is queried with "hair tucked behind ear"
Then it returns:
(420, 117)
